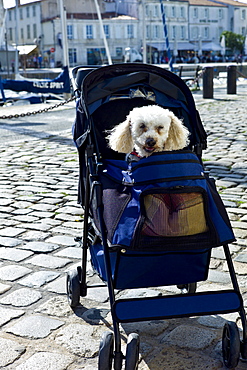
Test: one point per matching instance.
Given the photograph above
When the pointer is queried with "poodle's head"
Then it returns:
(147, 130)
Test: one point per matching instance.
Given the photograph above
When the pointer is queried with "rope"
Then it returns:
(241, 74)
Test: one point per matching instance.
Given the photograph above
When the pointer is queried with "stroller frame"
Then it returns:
(149, 308)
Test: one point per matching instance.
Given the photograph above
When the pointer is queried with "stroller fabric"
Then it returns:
(163, 202)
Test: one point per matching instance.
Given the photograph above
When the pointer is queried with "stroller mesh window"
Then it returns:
(174, 214)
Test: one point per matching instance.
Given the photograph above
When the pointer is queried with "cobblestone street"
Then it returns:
(39, 219)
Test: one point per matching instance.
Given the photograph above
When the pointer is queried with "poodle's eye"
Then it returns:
(159, 128)
(142, 126)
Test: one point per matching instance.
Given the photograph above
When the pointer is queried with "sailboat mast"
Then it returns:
(103, 32)
(64, 34)
(17, 38)
(144, 44)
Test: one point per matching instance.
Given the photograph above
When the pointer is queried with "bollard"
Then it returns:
(231, 79)
(208, 76)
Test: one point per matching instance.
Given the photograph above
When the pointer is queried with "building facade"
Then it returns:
(193, 27)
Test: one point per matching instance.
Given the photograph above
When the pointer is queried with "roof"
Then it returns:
(231, 2)
(205, 3)
(217, 3)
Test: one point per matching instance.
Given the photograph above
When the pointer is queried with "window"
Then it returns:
(34, 10)
(220, 13)
(28, 11)
(182, 12)
(34, 30)
(173, 11)
(156, 32)
(21, 13)
(22, 33)
(28, 31)
(10, 34)
(243, 14)
(206, 32)
(70, 31)
(206, 12)
(107, 30)
(195, 32)
(148, 33)
(130, 31)
(243, 31)
(119, 51)
(156, 11)
(164, 10)
(89, 31)
(173, 32)
(72, 56)
(195, 13)
(147, 11)
(182, 32)
(10, 15)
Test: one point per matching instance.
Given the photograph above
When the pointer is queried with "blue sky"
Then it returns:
(11, 3)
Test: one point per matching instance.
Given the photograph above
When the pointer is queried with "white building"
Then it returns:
(193, 26)
(24, 30)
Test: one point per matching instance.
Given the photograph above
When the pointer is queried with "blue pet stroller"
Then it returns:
(149, 223)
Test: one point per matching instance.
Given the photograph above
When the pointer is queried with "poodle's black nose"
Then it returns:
(150, 142)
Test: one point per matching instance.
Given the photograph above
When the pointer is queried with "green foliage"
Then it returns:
(234, 41)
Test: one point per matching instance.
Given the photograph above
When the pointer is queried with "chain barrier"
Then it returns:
(37, 111)
(196, 80)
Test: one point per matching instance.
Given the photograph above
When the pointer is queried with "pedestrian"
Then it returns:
(35, 62)
(13, 66)
(40, 60)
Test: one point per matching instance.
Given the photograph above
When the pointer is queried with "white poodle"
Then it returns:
(149, 129)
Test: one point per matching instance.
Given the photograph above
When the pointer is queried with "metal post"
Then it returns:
(16, 39)
(231, 79)
(208, 89)
(144, 44)
(103, 32)
(63, 17)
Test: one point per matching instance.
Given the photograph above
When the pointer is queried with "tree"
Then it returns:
(234, 41)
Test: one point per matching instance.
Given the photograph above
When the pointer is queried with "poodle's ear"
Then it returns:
(178, 135)
(120, 138)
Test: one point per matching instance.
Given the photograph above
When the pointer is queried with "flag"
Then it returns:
(245, 45)
(223, 44)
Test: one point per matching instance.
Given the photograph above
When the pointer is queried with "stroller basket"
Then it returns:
(143, 269)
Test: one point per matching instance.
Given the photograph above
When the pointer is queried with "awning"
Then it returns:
(211, 46)
(180, 46)
(158, 46)
(185, 46)
(26, 49)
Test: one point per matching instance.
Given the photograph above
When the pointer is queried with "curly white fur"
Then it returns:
(149, 129)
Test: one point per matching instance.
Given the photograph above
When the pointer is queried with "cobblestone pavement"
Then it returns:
(39, 218)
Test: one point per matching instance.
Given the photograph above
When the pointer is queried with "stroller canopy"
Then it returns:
(109, 93)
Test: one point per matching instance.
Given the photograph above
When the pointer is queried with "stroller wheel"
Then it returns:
(73, 288)
(132, 352)
(231, 345)
(106, 351)
(187, 288)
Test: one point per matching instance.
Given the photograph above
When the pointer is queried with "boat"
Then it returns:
(40, 89)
